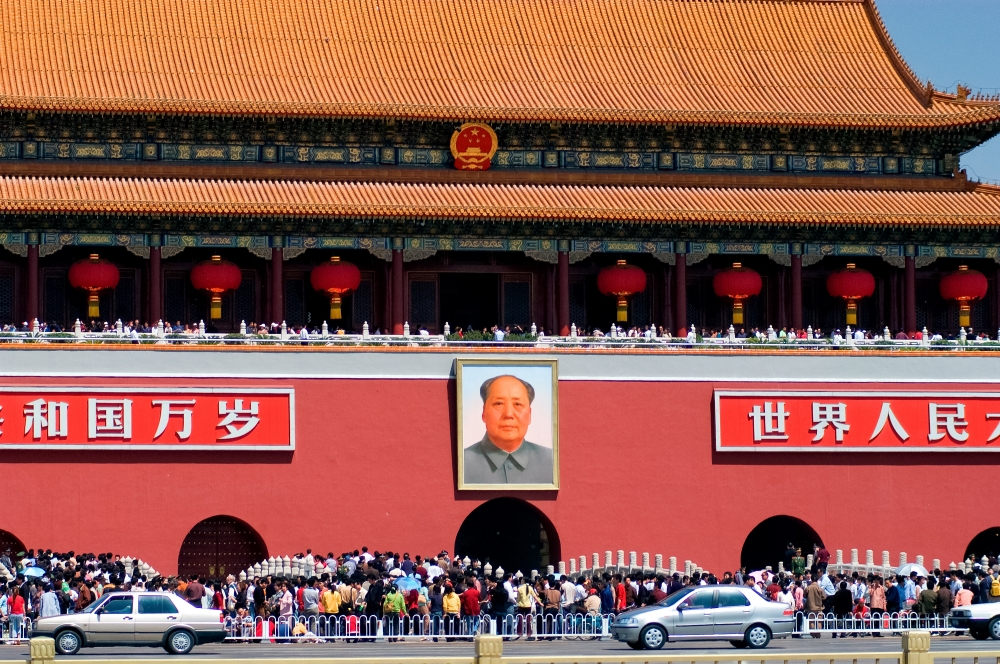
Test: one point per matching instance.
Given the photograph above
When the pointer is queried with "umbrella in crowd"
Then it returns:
(905, 570)
(34, 571)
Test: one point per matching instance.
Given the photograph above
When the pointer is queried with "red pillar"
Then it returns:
(910, 295)
(277, 285)
(563, 299)
(680, 294)
(796, 275)
(155, 310)
(31, 306)
(668, 299)
(397, 291)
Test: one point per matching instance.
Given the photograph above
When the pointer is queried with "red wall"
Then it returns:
(375, 465)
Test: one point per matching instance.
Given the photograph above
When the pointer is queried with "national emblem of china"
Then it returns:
(473, 146)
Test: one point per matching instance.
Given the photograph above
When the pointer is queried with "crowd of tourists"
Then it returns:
(443, 596)
(814, 591)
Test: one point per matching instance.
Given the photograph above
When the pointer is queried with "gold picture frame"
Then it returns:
(470, 375)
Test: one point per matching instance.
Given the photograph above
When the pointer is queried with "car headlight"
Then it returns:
(624, 622)
(959, 613)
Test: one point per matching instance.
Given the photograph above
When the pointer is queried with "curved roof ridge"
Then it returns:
(920, 91)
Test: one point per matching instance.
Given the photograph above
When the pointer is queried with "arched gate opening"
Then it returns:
(218, 546)
(9, 542)
(766, 544)
(509, 533)
(986, 543)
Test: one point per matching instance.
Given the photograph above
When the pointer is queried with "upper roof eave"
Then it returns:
(974, 113)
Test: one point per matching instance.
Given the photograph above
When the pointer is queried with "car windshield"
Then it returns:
(672, 599)
(91, 608)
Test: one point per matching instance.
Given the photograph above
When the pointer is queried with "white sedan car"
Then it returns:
(134, 619)
(982, 620)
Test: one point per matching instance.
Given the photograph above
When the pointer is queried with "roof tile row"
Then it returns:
(702, 61)
(633, 205)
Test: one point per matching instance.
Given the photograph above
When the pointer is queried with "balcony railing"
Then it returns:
(648, 342)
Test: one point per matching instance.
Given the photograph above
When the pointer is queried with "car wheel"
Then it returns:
(994, 629)
(757, 636)
(68, 642)
(180, 642)
(653, 637)
(739, 644)
(978, 633)
(635, 646)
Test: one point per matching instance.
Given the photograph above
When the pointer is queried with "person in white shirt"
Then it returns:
(568, 595)
(50, 602)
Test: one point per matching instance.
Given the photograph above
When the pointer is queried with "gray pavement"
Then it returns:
(788, 648)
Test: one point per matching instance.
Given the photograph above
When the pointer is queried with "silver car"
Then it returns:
(134, 619)
(706, 613)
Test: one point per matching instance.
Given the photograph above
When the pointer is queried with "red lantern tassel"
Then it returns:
(622, 310)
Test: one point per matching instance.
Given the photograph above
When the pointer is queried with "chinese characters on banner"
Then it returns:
(798, 421)
(146, 418)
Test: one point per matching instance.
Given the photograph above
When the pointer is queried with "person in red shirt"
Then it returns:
(15, 605)
(218, 600)
(470, 607)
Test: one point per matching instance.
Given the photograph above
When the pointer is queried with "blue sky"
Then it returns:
(949, 42)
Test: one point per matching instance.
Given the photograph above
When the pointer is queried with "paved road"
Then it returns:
(516, 648)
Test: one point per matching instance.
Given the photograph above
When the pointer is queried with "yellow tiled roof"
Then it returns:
(801, 62)
(486, 202)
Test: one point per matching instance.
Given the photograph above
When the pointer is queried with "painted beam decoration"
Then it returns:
(141, 418)
(856, 421)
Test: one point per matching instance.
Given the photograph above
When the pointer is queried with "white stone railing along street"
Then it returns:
(615, 563)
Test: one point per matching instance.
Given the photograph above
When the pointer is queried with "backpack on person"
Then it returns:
(995, 587)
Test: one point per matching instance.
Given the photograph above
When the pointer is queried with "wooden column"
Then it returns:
(680, 289)
(782, 299)
(31, 305)
(563, 288)
(668, 299)
(397, 287)
(277, 285)
(154, 310)
(910, 295)
(796, 279)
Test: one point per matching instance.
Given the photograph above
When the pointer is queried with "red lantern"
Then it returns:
(738, 283)
(216, 276)
(851, 284)
(93, 275)
(336, 278)
(964, 285)
(622, 281)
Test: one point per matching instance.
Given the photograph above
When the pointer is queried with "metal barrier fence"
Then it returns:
(360, 628)
(14, 630)
(877, 623)
(547, 626)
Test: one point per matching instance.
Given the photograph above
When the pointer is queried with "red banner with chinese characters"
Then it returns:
(858, 421)
(147, 418)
